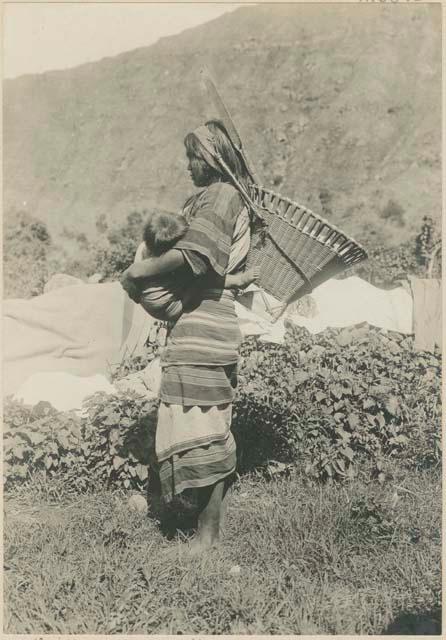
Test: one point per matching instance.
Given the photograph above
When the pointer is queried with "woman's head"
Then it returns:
(203, 166)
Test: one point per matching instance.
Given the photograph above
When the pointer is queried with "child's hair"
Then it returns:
(163, 230)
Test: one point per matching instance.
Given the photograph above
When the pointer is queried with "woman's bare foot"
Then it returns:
(198, 546)
(210, 506)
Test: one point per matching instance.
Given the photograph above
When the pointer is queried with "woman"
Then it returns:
(194, 445)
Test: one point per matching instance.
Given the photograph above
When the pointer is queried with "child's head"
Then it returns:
(162, 231)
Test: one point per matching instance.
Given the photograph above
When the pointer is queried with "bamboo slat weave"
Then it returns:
(297, 250)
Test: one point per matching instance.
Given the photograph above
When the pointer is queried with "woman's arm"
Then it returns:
(150, 268)
(153, 267)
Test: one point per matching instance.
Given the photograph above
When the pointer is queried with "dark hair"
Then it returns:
(162, 231)
(225, 148)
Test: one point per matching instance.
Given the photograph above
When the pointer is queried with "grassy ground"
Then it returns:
(296, 559)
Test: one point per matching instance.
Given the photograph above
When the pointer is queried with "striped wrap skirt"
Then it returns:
(194, 444)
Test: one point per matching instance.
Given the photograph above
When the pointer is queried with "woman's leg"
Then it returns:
(210, 501)
(154, 500)
(211, 512)
(224, 507)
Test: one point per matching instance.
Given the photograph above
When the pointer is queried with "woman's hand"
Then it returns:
(243, 279)
(130, 287)
(249, 276)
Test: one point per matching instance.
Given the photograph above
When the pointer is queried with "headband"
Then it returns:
(208, 150)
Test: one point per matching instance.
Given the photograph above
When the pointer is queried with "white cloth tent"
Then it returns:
(342, 303)
(82, 330)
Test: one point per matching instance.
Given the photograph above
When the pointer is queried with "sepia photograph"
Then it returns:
(222, 318)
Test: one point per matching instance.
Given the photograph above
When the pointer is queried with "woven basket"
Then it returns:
(297, 250)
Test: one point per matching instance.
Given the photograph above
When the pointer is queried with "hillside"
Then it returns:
(340, 106)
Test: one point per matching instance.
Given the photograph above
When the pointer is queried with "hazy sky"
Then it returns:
(43, 36)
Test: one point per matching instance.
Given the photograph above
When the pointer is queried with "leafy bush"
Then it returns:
(25, 248)
(336, 398)
(386, 266)
(109, 444)
(425, 242)
(37, 438)
(131, 364)
(327, 402)
(118, 434)
(116, 252)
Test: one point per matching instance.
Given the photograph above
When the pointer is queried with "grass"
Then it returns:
(357, 559)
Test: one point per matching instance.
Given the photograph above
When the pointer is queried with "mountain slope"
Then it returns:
(339, 106)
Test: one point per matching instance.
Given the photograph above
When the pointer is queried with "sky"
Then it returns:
(43, 36)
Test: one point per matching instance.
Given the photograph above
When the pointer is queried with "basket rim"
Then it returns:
(255, 186)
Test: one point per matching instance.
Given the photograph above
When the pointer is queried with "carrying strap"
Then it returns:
(253, 208)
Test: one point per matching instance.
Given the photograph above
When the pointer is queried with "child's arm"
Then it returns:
(241, 280)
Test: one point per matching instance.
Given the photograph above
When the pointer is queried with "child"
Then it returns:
(167, 297)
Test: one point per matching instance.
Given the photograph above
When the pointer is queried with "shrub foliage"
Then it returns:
(108, 445)
(327, 402)
(387, 266)
(117, 249)
(26, 245)
(334, 399)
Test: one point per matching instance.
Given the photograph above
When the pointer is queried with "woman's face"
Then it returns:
(198, 169)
